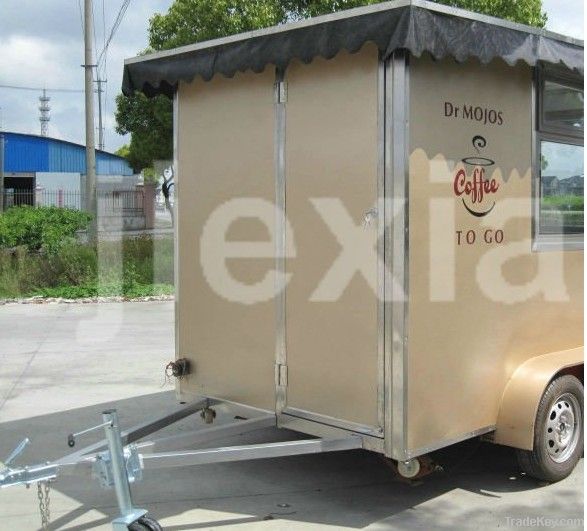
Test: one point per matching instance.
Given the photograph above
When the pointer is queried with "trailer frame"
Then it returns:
(118, 460)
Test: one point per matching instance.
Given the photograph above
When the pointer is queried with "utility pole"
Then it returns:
(1, 165)
(100, 125)
(91, 200)
(1, 172)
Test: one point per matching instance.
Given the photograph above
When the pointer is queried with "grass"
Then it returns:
(571, 203)
(135, 267)
(561, 213)
(106, 290)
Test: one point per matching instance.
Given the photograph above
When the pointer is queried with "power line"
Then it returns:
(104, 66)
(115, 26)
(101, 70)
(18, 87)
(81, 17)
(94, 28)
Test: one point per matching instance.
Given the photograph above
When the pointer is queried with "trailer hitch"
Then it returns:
(114, 461)
(27, 475)
(116, 467)
(24, 475)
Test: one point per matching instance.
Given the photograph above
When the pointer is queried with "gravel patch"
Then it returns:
(85, 300)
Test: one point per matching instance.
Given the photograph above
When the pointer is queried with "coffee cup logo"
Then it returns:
(475, 190)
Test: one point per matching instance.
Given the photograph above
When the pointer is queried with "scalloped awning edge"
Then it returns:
(417, 29)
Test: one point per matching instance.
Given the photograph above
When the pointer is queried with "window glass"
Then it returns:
(562, 107)
(561, 188)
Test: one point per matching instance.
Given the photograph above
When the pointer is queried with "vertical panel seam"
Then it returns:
(280, 241)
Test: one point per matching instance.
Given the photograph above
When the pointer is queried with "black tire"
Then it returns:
(551, 460)
(145, 523)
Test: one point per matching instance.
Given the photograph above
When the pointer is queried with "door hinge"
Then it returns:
(281, 375)
(281, 92)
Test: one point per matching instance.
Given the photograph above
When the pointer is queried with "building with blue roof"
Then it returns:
(36, 165)
(40, 154)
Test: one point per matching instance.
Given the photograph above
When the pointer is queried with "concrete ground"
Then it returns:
(61, 365)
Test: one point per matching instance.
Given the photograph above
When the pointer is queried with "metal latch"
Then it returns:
(281, 375)
(281, 92)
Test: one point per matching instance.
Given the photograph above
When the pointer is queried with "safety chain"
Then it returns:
(43, 490)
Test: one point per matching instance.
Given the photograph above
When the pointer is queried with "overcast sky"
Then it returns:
(41, 44)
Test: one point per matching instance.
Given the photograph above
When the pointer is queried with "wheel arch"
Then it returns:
(522, 394)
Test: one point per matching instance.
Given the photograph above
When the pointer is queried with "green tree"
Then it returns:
(523, 11)
(149, 121)
(189, 21)
(123, 151)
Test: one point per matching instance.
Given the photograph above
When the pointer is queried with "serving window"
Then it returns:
(559, 163)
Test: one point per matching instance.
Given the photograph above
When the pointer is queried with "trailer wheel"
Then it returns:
(558, 432)
(145, 523)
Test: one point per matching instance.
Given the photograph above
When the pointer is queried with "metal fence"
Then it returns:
(112, 203)
(121, 203)
(58, 198)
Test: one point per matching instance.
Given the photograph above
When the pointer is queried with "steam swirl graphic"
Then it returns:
(478, 142)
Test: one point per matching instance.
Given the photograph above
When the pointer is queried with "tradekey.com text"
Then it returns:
(544, 521)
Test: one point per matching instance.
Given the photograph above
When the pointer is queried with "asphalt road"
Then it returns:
(61, 365)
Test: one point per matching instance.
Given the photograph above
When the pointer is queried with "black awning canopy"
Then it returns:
(414, 25)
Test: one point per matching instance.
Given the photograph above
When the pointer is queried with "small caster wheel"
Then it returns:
(145, 523)
(409, 469)
(208, 414)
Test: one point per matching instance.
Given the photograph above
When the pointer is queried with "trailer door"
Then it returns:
(331, 307)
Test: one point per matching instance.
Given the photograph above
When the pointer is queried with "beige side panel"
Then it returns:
(331, 144)
(479, 309)
(226, 154)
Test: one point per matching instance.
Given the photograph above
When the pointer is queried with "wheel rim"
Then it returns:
(563, 427)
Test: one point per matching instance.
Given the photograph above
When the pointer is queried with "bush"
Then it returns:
(133, 267)
(40, 228)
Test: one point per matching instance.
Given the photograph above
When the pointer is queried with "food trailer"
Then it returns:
(379, 240)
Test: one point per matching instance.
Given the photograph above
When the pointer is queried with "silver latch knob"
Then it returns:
(369, 217)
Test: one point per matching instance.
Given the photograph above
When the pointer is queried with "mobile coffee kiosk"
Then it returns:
(379, 235)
